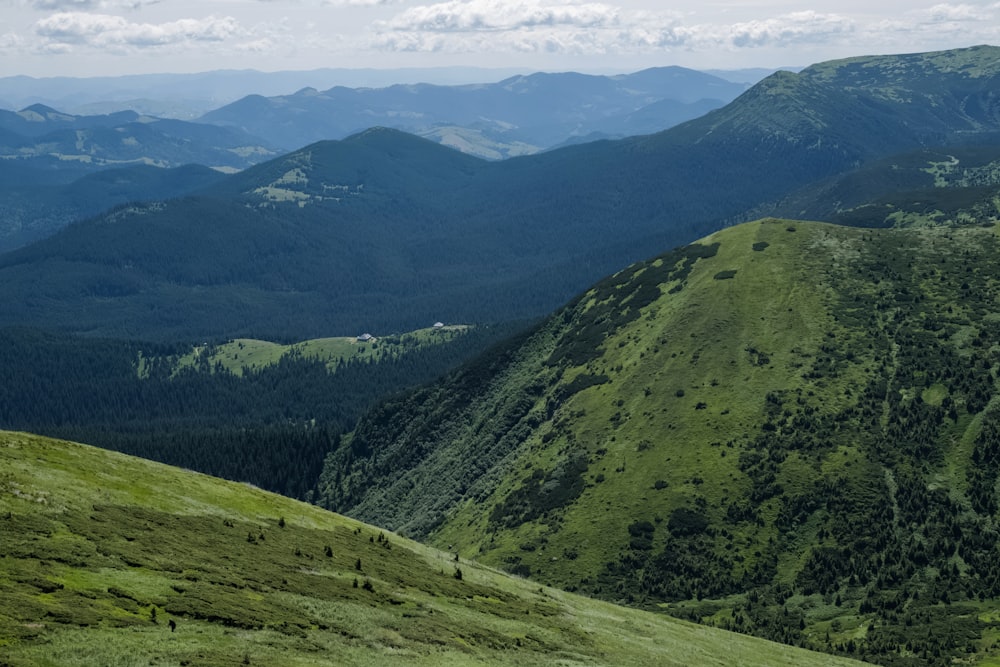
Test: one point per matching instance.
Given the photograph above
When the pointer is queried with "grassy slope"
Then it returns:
(250, 353)
(697, 341)
(819, 408)
(92, 543)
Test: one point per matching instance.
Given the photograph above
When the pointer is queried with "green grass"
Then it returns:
(99, 552)
(706, 340)
(825, 418)
(247, 353)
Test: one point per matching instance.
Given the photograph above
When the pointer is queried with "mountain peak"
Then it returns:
(39, 113)
(390, 139)
(380, 132)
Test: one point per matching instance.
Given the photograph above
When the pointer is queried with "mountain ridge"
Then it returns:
(38, 132)
(36, 204)
(532, 112)
(787, 428)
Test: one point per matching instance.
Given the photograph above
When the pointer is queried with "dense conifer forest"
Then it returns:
(270, 426)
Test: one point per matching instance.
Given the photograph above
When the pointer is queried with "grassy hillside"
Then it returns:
(111, 560)
(789, 429)
(249, 354)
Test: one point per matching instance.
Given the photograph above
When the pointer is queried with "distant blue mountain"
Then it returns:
(39, 134)
(187, 96)
(525, 113)
(46, 156)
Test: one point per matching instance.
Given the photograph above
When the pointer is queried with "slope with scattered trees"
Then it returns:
(786, 429)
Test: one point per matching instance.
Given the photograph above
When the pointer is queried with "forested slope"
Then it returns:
(269, 424)
(385, 230)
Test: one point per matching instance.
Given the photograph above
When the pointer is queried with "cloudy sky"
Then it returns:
(114, 37)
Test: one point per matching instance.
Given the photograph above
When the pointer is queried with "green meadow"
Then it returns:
(111, 560)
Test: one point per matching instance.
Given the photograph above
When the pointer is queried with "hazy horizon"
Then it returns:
(98, 38)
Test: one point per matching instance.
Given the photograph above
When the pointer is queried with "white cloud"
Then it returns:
(10, 42)
(786, 30)
(580, 28)
(359, 3)
(939, 26)
(525, 26)
(947, 13)
(495, 15)
(88, 5)
(66, 30)
(598, 33)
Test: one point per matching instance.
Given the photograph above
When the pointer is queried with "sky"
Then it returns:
(43, 38)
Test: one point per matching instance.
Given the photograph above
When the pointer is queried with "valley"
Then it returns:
(657, 378)
(248, 410)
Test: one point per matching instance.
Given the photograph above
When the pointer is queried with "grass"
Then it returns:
(100, 552)
(821, 399)
(247, 353)
(725, 352)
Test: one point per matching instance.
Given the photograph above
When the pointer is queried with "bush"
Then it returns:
(684, 521)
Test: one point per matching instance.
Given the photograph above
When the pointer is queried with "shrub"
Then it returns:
(684, 521)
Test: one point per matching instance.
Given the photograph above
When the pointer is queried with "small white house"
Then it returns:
(365, 337)
(439, 325)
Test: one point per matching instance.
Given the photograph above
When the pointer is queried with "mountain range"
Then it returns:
(40, 135)
(386, 230)
(56, 168)
(44, 150)
(515, 116)
(187, 96)
(36, 203)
